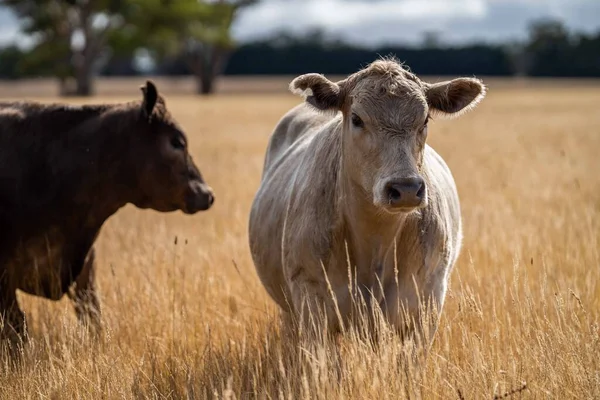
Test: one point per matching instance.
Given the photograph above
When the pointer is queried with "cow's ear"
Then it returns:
(150, 98)
(319, 91)
(455, 97)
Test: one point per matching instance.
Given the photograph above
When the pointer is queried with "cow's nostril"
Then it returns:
(394, 194)
(421, 191)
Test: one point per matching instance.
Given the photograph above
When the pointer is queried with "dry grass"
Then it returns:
(191, 320)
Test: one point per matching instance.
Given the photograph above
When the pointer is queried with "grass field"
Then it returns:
(188, 318)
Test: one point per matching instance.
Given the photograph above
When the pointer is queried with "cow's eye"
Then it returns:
(356, 121)
(177, 142)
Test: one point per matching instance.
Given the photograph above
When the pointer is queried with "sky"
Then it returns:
(395, 21)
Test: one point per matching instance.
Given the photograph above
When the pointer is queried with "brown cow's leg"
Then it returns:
(84, 294)
(12, 319)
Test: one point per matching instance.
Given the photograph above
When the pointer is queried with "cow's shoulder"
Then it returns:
(298, 194)
(442, 191)
(296, 124)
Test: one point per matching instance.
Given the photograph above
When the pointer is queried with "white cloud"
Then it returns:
(338, 15)
(373, 22)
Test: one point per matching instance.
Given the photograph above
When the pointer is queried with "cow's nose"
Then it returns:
(200, 197)
(405, 193)
(208, 194)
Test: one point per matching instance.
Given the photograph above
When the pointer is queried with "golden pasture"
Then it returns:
(186, 317)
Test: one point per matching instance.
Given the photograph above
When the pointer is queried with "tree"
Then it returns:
(70, 36)
(210, 43)
(10, 57)
(549, 47)
(200, 30)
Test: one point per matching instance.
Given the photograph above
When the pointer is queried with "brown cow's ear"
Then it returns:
(455, 97)
(150, 98)
(319, 91)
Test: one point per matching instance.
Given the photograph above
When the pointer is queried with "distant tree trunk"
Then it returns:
(83, 59)
(204, 83)
(205, 63)
(83, 80)
(63, 87)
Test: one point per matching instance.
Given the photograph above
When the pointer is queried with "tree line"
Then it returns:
(77, 40)
(550, 50)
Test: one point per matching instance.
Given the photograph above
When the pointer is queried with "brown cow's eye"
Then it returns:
(177, 143)
(356, 121)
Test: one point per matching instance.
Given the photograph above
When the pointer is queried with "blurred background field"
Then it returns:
(125, 87)
(185, 314)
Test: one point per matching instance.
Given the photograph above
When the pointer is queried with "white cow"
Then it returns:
(351, 191)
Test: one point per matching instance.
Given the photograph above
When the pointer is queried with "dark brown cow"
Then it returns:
(64, 170)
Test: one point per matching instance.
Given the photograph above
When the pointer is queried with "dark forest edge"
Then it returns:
(549, 51)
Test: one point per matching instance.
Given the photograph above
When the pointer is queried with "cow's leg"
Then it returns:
(289, 327)
(415, 311)
(12, 320)
(425, 255)
(314, 310)
(84, 294)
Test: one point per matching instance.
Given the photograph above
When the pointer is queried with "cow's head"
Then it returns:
(166, 177)
(385, 114)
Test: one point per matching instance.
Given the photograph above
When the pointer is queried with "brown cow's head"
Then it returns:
(167, 177)
(385, 113)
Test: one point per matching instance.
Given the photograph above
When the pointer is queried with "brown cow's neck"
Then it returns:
(99, 155)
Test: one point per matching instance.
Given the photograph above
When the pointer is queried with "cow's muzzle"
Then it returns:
(199, 197)
(404, 194)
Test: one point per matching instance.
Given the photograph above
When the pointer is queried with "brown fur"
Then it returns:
(64, 170)
(321, 223)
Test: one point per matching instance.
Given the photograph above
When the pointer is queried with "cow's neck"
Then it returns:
(101, 160)
(369, 232)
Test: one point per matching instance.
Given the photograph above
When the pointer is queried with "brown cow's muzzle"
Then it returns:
(199, 197)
